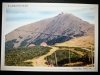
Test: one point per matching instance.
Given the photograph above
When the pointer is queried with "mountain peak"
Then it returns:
(62, 13)
(60, 28)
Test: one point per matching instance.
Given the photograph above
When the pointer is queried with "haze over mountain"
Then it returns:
(57, 29)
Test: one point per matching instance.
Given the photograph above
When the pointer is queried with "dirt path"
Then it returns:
(77, 52)
(72, 50)
(40, 61)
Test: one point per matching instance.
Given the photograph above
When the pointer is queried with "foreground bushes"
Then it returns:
(62, 57)
(17, 56)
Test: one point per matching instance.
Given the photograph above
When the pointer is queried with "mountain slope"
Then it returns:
(60, 28)
(84, 41)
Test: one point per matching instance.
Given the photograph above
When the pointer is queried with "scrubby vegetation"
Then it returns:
(62, 57)
(24, 43)
(58, 39)
(10, 44)
(38, 41)
(17, 56)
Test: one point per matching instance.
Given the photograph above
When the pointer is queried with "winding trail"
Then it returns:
(74, 51)
(40, 61)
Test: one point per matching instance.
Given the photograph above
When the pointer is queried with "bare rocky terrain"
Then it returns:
(60, 28)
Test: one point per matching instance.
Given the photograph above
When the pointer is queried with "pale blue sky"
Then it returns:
(19, 16)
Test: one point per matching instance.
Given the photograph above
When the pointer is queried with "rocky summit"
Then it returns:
(60, 28)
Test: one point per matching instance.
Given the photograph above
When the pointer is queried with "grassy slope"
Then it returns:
(84, 41)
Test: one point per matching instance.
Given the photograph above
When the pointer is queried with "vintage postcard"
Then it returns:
(49, 37)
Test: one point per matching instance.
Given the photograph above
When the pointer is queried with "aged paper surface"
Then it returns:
(49, 37)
